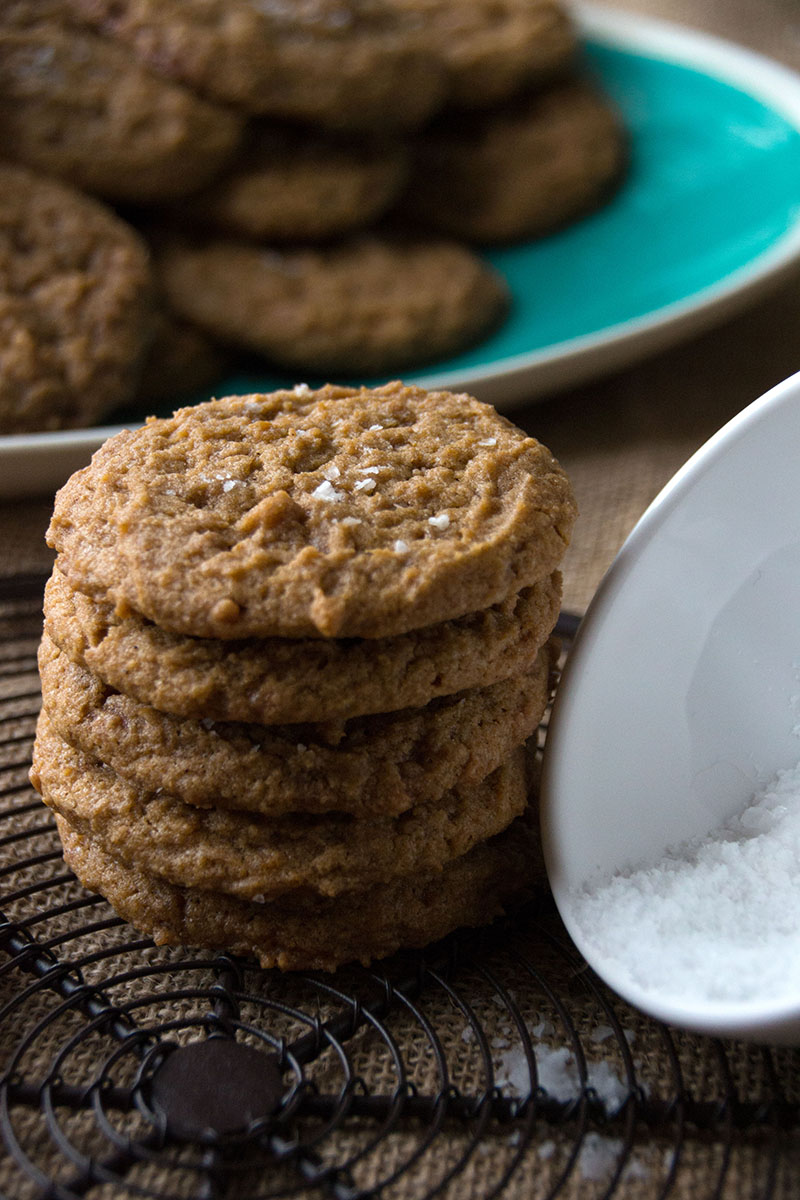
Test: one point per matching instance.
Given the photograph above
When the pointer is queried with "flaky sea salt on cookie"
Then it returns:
(339, 513)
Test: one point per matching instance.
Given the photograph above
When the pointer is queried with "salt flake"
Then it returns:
(400, 546)
(365, 485)
(442, 521)
(326, 491)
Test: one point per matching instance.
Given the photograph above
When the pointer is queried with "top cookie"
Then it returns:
(338, 513)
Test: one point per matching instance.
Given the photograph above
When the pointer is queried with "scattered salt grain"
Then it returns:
(601, 1033)
(326, 491)
(350, 521)
(400, 546)
(599, 1158)
(375, 428)
(369, 470)
(230, 484)
(331, 471)
(302, 389)
(441, 521)
(468, 1034)
(717, 918)
(488, 442)
(365, 485)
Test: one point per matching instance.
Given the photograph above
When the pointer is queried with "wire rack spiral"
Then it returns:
(491, 1063)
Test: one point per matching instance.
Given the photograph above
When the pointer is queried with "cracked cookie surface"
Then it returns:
(338, 513)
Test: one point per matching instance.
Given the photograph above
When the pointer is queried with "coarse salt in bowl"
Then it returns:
(671, 785)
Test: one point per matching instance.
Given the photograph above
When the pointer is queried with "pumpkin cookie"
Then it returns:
(367, 305)
(280, 680)
(520, 170)
(493, 48)
(297, 185)
(249, 856)
(366, 766)
(342, 512)
(75, 305)
(78, 106)
(342, 64)
(315, 933)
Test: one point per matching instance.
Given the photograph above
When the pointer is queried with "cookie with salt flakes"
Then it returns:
(342, 512)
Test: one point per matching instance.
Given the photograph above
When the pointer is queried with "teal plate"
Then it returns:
(707, 218)
(709, 209)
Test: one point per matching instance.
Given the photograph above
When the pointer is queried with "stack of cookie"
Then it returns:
(294, 646)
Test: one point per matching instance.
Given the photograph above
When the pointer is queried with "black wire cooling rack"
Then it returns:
(492, 1063)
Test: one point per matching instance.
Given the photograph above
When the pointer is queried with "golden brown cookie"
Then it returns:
(343, 64)
(493, 48)
(367, 305)
(298, 185)
(278, 680)
(249, 856)
(520, 170)
(78, 106)
(343, 513)
(315, 933)
(375, 765)
(75, 305)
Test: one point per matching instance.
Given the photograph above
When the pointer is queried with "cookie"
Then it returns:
(342, 64)
(315, 933)
(279, 680)
(75, 305)
(367, 305)
(183, 360)
(520, 170)
(341, 512)
(297, 185)
(375, 765)
(493, 48)
(248, 856)
(79, 107)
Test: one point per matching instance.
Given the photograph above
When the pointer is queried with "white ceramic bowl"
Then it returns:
(681, 693)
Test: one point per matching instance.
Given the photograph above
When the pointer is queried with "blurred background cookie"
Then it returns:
(296, 184)
(76, 305)
(79, 107)
(493, 48)
(339, 63)
(518, 170)
(368, 304)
